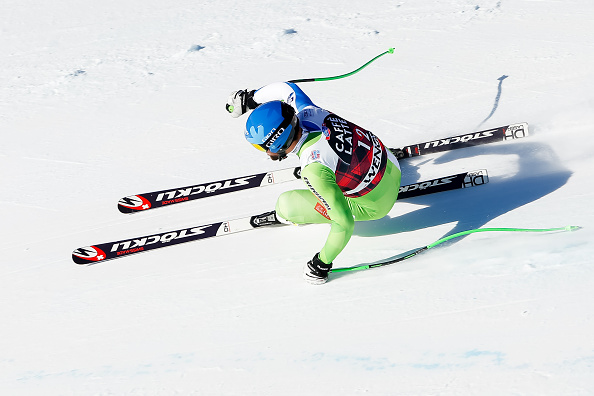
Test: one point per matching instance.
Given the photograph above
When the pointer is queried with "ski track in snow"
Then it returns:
(100, 101)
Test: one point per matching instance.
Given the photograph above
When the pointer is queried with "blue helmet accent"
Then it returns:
(272, 126)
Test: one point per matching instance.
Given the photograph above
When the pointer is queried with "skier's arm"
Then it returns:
(242, 101)
(322, 182)
(287, 92)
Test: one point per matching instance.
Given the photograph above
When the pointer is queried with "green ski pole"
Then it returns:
(389, 51)
(442, 240)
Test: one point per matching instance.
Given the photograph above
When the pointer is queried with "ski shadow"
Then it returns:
(539, 173)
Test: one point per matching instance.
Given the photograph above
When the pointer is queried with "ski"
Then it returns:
(453, 182)
(501, 134)
(111, 250)
(157, 199)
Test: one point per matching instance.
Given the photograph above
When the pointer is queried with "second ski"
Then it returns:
(111, 250)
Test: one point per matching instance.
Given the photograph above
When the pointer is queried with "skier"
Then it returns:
(349, 173)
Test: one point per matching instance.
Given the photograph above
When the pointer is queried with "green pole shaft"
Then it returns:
(445, 239)
(389, 51)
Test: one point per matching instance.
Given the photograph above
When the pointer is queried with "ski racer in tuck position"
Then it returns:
(350, 174)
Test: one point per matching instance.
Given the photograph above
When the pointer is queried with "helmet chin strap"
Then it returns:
(282, 156)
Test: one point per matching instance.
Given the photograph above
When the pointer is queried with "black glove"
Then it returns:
(240, 102)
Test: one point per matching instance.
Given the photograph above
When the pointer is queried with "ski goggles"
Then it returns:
(280, 140)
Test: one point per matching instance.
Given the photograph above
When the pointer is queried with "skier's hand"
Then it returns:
(240, 102)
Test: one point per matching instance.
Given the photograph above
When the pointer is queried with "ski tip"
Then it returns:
(133, 204)
(573, 228)
(125, 209)
(78, 260)
(88, 255)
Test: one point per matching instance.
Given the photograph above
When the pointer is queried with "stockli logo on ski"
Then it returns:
(111, 250)
(88, 254)
(155, 199)
(501, 134)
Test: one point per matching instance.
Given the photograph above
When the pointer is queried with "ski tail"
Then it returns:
(501, 134)
(447, 183)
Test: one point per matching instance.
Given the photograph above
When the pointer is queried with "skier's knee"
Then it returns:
(283, 206)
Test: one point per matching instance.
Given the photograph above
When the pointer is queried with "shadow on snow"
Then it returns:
(540, 172)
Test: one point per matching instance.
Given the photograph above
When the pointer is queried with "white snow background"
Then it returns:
(104, 99)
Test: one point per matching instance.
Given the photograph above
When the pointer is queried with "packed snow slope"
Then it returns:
(104, 99)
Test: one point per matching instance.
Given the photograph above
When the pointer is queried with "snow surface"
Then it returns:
(105, 99)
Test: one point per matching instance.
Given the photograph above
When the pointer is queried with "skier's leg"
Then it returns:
(379, 201)
(301, 207)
